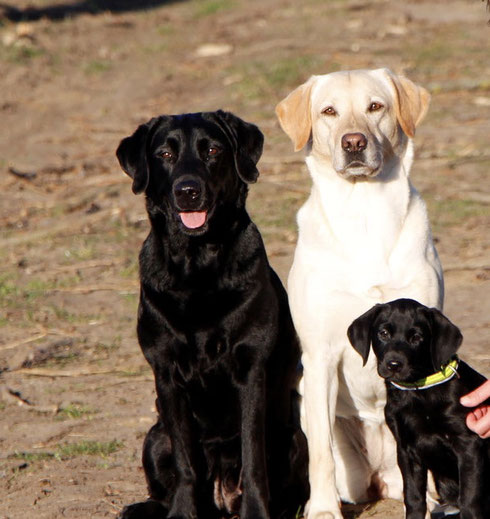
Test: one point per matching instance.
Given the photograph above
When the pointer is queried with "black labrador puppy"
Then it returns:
(215, 326)
(415, 348)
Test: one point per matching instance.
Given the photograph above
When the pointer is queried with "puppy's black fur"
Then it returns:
(411, 342)
(214, 324)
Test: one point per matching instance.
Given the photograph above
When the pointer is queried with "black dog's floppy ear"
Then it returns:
(131, 154)
(446, 338)
(247, 142)
(359, 332)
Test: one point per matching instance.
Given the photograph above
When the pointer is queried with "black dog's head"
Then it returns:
(191, 165)
(409, 340)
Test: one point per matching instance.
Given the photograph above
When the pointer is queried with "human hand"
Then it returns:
(478, 420)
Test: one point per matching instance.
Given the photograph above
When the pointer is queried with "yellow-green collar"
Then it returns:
(447, 372)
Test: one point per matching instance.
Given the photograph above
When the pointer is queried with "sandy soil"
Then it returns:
(76, 394)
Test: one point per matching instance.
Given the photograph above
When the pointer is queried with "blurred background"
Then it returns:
(76, 395)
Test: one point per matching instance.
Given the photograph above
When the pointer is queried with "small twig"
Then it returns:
(451, 268)
(25, 175)
(78, 266)
(53, 373)
(18, 395)
(130, 288)
(39, 335)
(24, 341)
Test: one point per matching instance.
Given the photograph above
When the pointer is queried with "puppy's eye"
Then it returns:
(415, 339)
(212, 151)
(167, 154)
(374, 106)
(384, 334)
(330, 110)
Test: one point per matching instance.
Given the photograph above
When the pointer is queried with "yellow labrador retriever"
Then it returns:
(364, 238)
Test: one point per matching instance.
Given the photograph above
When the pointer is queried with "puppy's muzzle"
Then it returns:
(391, 365)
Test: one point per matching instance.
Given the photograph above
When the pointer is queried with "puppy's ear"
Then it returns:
(247, 142)
(446, 338)
(132, 156)
(359, 332)
(411, 102)
(294, 114)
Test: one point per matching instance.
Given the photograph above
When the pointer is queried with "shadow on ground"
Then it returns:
(70, 9)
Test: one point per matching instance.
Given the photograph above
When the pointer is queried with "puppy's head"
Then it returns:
(357, 119)
(410, 341)
(191, 165)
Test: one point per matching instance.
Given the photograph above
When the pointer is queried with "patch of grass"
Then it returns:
(37, 288)
(135, 372)
(75, 411)
(8, 288)
(88, 448)
(32, 457)
(97, 66)
(165, 29)
(82, 249)
(71, 450)
(103, 347)
(131, 270)
(447, 212)
(209, 7)
(260, 79)
(20, 55)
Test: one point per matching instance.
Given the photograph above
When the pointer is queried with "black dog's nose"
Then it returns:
(187, 192)
(394, 365)
(354, 142)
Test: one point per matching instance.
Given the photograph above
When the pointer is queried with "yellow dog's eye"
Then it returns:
(330, 110)
(374, 107)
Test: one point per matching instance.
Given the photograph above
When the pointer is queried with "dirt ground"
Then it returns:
(75, 77)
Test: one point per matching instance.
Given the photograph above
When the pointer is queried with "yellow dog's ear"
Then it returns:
(411, 103)
(294, 114)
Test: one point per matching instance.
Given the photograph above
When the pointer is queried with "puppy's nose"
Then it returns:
(187, 191)
(354, 142)
(394, 365)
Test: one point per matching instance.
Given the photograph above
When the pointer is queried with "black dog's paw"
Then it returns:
(146, 510)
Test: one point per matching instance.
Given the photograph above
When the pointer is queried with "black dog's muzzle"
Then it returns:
(190, 201)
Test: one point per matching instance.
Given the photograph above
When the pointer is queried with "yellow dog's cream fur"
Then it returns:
(364, 238)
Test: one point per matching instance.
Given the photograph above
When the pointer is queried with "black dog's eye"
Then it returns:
(212, 151)
(330, 110)
(416, 339)
(374, 106)
(384, 334)
(167, 154)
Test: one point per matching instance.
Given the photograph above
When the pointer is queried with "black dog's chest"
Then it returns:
(214, 400)
(431, 432)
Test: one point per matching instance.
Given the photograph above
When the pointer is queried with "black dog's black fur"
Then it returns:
(411, 342)
(214, 324)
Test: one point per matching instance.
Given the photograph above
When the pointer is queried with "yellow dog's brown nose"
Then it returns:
(354, 142)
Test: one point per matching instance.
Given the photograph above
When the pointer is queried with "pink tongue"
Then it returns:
(193, 220)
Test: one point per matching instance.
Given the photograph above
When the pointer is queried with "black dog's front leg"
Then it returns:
(255, 499)
(414, 484)
(472, 457)
(177, 419)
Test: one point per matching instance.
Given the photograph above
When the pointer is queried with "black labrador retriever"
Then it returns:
(415, 348)
(215, 326)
